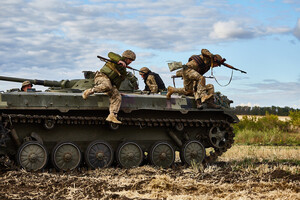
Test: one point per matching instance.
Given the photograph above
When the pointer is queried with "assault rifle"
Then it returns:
(222, 62)
(108, 60)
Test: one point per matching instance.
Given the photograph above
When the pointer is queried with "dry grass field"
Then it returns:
(282, 118)
(243, 172)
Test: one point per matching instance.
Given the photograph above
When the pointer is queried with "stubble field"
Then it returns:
(243, 172)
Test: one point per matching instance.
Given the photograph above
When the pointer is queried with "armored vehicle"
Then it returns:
(58, 128)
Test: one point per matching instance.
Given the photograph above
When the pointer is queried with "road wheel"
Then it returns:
(129, 154)
(192, 152)
(162, 154)
(66, 156)
(99, 154)
(32, 156)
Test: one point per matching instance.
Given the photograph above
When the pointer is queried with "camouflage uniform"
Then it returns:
(153, 81)
(152, 84)
(103, 84)
(109, 80)
(193, 79)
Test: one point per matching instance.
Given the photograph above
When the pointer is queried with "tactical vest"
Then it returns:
(116, 73)
(203, 66)
(158, 80)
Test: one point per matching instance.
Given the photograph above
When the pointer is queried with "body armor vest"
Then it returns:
(203, 67)
(116, 73)
(158, 80)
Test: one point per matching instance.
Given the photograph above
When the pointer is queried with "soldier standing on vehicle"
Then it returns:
(109, 79)
(153, 82)
(26, 85)
(194, 81)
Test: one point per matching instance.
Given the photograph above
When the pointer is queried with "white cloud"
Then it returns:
(238, 30)
(230, 30)
(276, 30)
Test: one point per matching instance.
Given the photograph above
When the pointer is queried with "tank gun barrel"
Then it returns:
(48, 83)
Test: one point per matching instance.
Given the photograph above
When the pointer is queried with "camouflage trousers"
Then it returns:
(103, 84)
(194, 84)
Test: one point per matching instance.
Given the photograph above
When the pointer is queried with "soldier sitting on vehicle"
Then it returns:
(25, 86)
(194, 81)
(153, 82)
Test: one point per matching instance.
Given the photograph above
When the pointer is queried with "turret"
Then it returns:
(75, 85)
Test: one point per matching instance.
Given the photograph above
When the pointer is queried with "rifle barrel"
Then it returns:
(231, 67)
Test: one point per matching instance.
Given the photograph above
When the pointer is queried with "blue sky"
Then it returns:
(59, 39)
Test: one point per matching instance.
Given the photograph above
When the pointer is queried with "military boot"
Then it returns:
(86, 93)
(113, 118)
(211, 104)
(171, 90)
(206, 97)
(199, 104)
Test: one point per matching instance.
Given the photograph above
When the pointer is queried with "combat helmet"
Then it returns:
(144, 70)
(129, 54)
(218, 59)
(25, 83)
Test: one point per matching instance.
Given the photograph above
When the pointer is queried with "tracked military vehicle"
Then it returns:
(58, 128)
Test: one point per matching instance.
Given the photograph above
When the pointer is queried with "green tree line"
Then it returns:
(256, 110)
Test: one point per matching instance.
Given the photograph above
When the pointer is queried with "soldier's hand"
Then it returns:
(121, 62)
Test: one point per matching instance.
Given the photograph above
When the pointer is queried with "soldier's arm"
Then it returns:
(152, 84)
(206, 53)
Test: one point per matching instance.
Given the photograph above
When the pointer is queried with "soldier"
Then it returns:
(194, 82)
(26, 85)
(153, 82)
(109, 80)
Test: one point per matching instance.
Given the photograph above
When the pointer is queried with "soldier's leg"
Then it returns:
(202, 91)
(188, 86)
(210, 89)
(191, 79)
(115, 100)
(210, 102)
(180, 91)
(87, 93)
(102, 84)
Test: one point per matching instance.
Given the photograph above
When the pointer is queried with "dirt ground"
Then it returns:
(230, 177)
